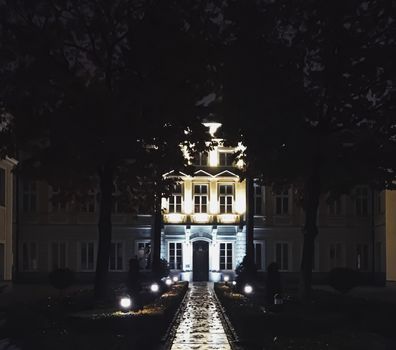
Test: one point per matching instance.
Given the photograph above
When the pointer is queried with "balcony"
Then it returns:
(201, 218)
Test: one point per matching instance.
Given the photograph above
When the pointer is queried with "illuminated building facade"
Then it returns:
(204, 234)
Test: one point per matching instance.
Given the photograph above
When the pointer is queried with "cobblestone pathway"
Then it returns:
(200, 326)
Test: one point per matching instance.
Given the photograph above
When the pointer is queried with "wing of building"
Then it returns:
(6, 218)
(203, 235)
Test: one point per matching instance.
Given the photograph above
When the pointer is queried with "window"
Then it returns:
(116, 256)
(29, 256)
(362, 262)
(201, 159)
(225, 158)
(225, 256)
(258, 200)
(175, 256)
(200, 198)
(89, 204)
(143, 253)
(361, 201)
(259, 255)
(2, 187)
(87, 257)
(335, 207)
(175, 200)
(282, 256)
(282, 202)
(58, 255)
(56, 202)
(225, 198)
(335, 255)
(29, 201)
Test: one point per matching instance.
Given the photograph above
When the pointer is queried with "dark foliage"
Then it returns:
(246, 273)
(343, 279)
(61, 278)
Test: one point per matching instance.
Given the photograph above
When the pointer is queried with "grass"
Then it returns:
(331, 321)
(73, 323)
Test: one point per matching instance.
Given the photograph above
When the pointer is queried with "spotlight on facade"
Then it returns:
(175, 278)
(248, 289)
(168, 281)
(226, 278)
(154, 287)
(125, 303)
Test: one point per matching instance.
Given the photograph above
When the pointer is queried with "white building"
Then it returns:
(203, 236)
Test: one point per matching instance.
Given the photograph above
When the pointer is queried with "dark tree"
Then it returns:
(86, 87)
(314, 84)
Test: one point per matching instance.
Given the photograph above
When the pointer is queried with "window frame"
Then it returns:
(227, 196)
(226, 263)
(284, 197)
(362, 201)
(228, 162)
(30, 265)
(173, 261)
(80, 265)
(116, 269)
(51, 254)
(201, 195)
(289, 262)
(145, 242)
(29, 196)
(262, 244)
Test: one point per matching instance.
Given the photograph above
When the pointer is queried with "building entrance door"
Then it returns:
(200, 261)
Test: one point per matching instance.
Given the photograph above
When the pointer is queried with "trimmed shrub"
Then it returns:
(343, 279)
(61, 278)
(246, 273)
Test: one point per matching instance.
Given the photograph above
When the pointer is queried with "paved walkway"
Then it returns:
(200, 326)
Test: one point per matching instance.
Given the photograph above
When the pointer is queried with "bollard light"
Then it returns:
(154, 287)
(125, 302)
(175, 278)
(168, 282)
(248, 289)
(226, 278)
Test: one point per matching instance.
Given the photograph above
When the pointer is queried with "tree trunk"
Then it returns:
(104, 228)
(250, 222)
(311, 204)
(157, 226)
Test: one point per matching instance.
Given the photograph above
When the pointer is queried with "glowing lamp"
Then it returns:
(226, 278)
(248, 289)
(126, 302)
(168, 282)
(175, 278)
(154, 287)
(234, 283)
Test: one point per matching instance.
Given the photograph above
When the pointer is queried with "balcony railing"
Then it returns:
(201, 218)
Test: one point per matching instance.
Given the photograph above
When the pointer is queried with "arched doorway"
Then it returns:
(200, 261)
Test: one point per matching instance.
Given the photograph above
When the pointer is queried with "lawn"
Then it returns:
(72, 322)
(331, 321)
